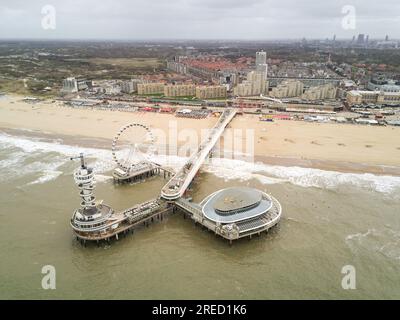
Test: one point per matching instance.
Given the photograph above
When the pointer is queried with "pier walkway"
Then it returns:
(177, 185)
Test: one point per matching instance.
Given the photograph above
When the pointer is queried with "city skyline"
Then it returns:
(199, 20)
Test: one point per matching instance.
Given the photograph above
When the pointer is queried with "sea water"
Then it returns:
(330, 220)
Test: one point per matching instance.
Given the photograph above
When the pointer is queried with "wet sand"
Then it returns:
(328, 146)
(101, 143)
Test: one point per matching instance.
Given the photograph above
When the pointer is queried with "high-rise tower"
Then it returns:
(260, 85)
(261, 61)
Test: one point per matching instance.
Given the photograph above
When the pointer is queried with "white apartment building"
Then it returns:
(288, 89)
(112, 89)
(70, 85)
(211, 92)
(130, 86)
(179, 90)
(177, 67)
(243, 89)
(150, 88)
(254, 85)
(375, 97)
(127, 87)
(323, 92)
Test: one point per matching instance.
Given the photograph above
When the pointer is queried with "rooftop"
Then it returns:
(234, 199)
(377, 92)
(235, 204)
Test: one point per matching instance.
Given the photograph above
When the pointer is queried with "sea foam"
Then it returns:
(384, 240)
(305, 177)
(20, 148)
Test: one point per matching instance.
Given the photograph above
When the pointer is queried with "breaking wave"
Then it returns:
(43, 160)
(304, 177)
(47, 175)
(24, 155)
(384, 241)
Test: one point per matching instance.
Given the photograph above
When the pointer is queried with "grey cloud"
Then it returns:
(198, 19)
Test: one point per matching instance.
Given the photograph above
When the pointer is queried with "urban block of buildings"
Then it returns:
(380, 83)
(288, 89)
(323, 92)
(256, 81)
(139, 86)
(130, 86)
(211, 92)
(177, 67)
(179, 90)
(150, 88)
(372, 97)
(255, 84)
(70, 85)
(73, 85)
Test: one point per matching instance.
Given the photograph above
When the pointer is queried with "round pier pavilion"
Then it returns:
(240, 211)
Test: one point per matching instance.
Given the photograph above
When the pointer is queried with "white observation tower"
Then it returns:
(91, 218)
(84, 179)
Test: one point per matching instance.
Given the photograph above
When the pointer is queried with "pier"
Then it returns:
(121, 222)
(251, 222)
(231, 213)
(176, 187)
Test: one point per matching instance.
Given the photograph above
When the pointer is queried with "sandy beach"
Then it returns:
(340, 147)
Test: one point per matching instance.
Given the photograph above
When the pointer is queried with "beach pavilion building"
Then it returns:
(235, 212)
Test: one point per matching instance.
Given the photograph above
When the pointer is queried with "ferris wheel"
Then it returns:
(133, 144)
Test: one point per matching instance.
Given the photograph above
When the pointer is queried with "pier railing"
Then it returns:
(142, 210)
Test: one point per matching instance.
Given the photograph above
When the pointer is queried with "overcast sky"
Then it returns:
(198, 19)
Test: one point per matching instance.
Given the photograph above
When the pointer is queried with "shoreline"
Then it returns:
(325, 165)
(325, 146)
